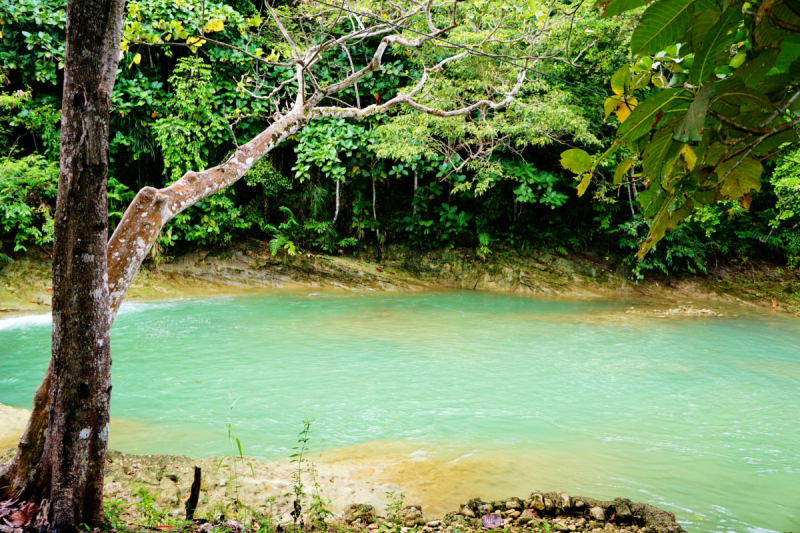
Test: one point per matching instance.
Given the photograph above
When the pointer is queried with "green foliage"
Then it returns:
(726, 100)
(326, 146)
(489, 180)
(113, 508)
(184, 134)
(28, 188)
(150, 515)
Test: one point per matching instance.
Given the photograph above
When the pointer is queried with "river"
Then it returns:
(456, 394)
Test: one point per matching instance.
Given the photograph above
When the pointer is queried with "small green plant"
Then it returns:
(151, 515)
(299, 460)
(114, 508)
(237, 462)
(394, 506)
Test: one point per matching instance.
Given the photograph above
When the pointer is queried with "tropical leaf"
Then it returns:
(651, 200)
(754, 70)
(649, 113)
(621, 80)
(655, 154)
(703, 21)
(625, 108)
(737, 94)
(663, 23)
(622, 168)
(612, 8)
(744, 176)
(576, 160)
(691, 127)
(720, 36)
(584, 184)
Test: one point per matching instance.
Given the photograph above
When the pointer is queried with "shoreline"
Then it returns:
(231, 485)
(25, 285)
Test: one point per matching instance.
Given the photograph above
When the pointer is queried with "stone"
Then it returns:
(563, 501)
(360, 511)
(623, 510)
(578, 504)
(434, 523)
(485, 508)
(411, 515)
(537, 501)
(466, 511)
(113, 487)
(548, 504)
(514, 514)
(597, 513)
(513, 504)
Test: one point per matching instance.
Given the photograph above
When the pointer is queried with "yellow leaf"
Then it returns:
(584, 184)
(137, 58)
(356, 169)
(689, 156)
(611, 105)
(154, 114)
(625, 108)
(1, 35)
(214, 25)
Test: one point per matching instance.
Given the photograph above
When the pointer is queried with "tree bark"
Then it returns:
(70, 459)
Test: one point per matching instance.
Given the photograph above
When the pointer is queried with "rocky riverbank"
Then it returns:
(25, 284)
(151, 491)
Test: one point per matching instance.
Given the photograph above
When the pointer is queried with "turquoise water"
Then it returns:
(698, 415)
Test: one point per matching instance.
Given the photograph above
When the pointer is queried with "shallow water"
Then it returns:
(461, 394)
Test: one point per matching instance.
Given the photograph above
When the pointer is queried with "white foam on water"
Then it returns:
(26, 321)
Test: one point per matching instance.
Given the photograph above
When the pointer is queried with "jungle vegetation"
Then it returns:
(493, 182)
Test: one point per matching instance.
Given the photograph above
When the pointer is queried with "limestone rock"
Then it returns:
(513, 504)
(562, 500)
(360, 511)
(537, 501)
(411, 515)
(597, 513)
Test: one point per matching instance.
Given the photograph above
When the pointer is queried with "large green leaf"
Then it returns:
(690, 128)
(612, 8)
(790, 51)
(622, 168)
(703, 21)
(649, 113)
(656, 153)
(771, 144)
(663, 23)
(576, 160)
(652, 200)
(720, 36)
(733, 91)
(754, 70)
(744, 178)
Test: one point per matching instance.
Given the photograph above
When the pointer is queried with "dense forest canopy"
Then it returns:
(197, 79)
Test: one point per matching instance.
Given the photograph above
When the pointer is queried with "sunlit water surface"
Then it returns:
(469, 394)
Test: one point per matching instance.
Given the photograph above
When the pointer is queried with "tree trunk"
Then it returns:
(70, 460)
(336, 212)
(416, 178)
